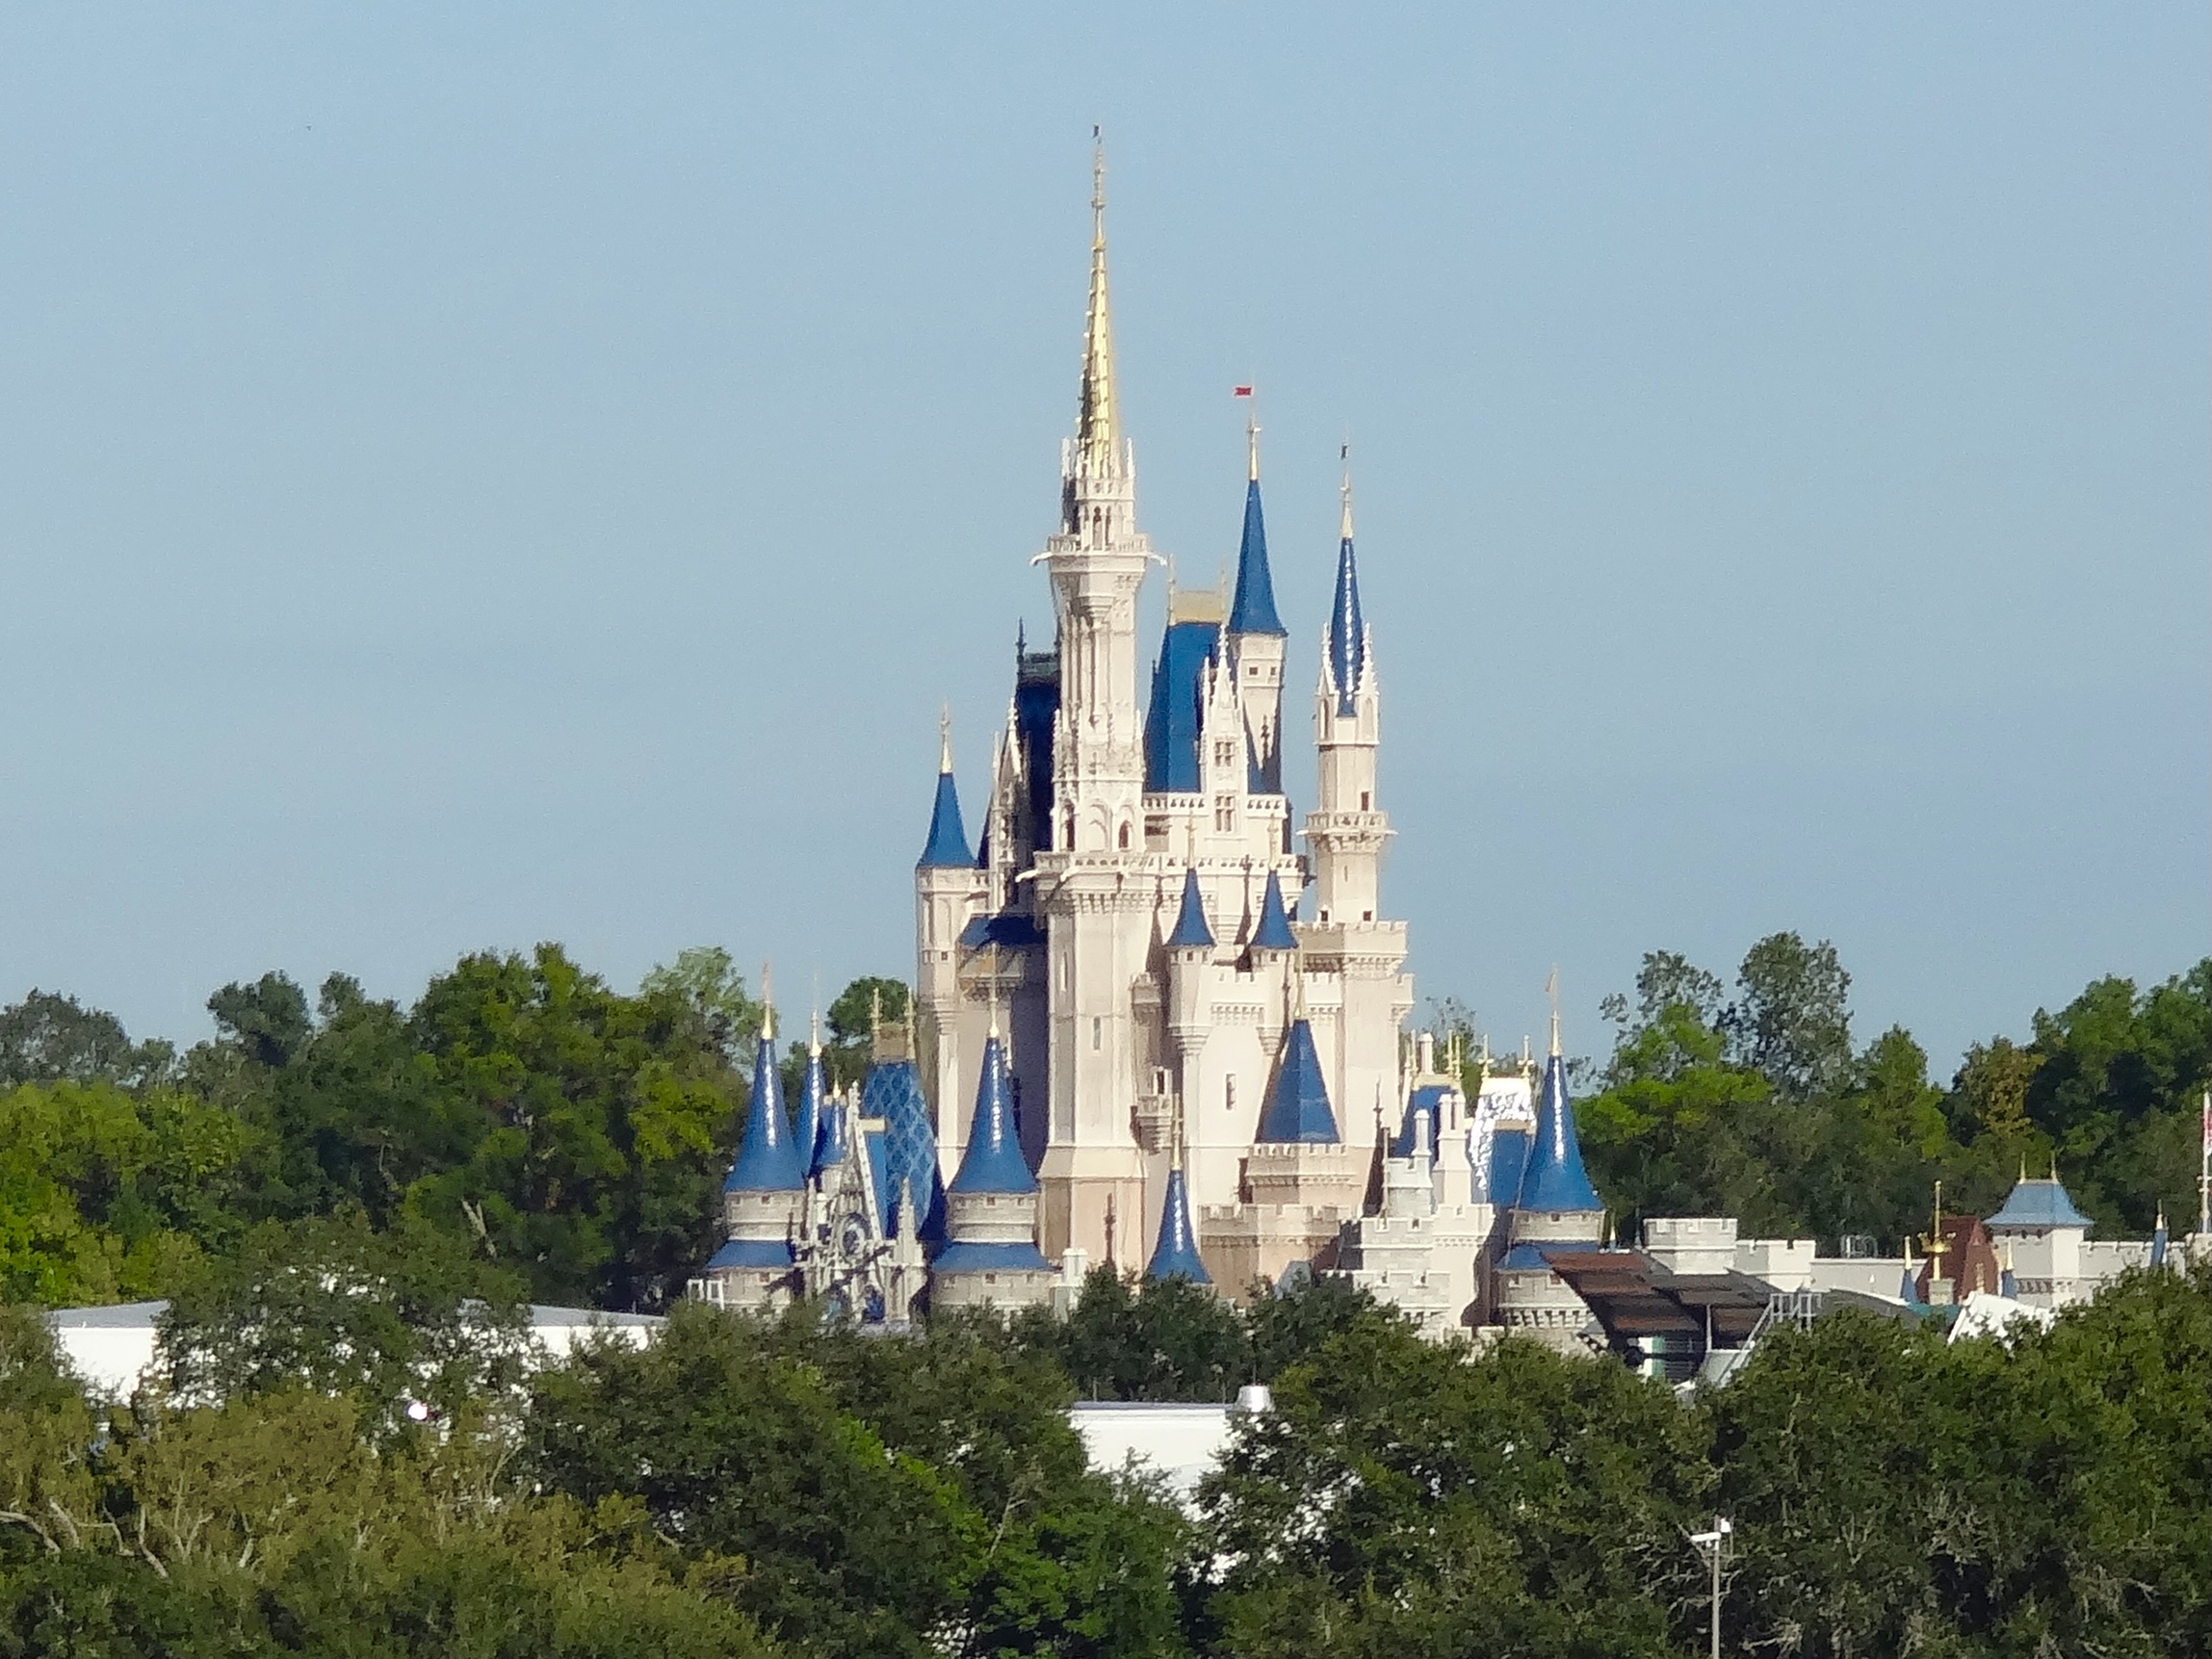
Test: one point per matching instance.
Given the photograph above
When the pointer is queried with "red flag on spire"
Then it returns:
(1240, 391)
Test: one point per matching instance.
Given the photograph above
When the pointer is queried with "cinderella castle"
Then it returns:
(1147, 1031)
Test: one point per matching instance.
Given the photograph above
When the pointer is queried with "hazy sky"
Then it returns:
(477, 475)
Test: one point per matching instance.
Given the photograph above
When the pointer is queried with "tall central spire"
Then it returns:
(1097, 430)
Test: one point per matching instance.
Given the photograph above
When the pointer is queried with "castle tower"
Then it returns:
(949, 892)
(1175, 1255)
(1095, 893)
(1556, 1205)
(764, 1198)
(1347, 830)
(1301, 1182)
(990, 1208)
(1257, 638)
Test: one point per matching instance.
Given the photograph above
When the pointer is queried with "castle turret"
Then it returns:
(1175, 1256)
(1257, 638)
(763, 1196)
(949, 892)
(1556, 1207)
(815, 1115)
(1301, 1182)
(990, 1208)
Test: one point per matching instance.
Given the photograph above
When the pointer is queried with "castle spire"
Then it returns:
(1097, 430)
(948, 842)
(1348, 654)
(1253, 609)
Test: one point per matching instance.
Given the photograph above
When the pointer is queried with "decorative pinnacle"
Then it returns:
(768, 1004)
(1095, 435)
(945, 739)
(1551, 990)
(1344, 523)
(814, 1031)
(1252, 444)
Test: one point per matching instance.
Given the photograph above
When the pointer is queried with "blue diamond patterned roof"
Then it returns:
(768, 1159)
(2038, 1203)
(769, 1253)
(1190, 930)
(1298, 1105)
(1554, 1179)
(947, 836)
(993, 1161)
(1253, 609)
(1274, 930)
(892, 1091)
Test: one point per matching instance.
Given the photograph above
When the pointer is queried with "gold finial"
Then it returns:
(768, 1004)
(1344, 526)
(1551, 990)
(814, 1031)
(1252, 443)
(875, 1015)
(943, 738)
(991, 990)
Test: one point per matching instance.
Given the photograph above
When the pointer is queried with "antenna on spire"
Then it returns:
(1344, 489)
(1551, 990)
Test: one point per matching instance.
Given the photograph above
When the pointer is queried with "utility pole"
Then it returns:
(1712, 1543)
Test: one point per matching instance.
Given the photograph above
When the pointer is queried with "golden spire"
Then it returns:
(768, 1004)
(1096, 433)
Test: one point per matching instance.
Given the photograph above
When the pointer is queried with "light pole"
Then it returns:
(1712, 1543)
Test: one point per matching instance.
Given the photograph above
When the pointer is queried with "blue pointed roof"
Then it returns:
(1253, 609)
(993, 1161)
(1508, 1162)
(1190, 930)
(813, 1102)
(1171, 722)
(2041, 1201)
(1554, 1179)
(1274, 930)
(1175, 1255)
(1429, 1098)
(768, 1159)
(947, 836)
(1348, 631)
(1298, 1105)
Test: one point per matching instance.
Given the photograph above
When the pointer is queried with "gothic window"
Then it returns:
(1225, 754)
(1366, 801)
(1229, 1093)
(1125, 838)
(1098, 1033)
(1225, 812)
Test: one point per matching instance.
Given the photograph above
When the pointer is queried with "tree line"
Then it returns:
(343, 1451)
(525, 1110)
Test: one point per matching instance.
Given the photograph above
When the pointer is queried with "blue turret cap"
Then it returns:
(1190, 930)
(813, 1106)
(1274, 930)
(1347, 630)
(993, 1161)
(830, 1147)
(1298, 1107)
(1508, 1163)
(1175, 1255)
(1554, 1179)
(947, 836)
(1253, 608)
(768, 1160)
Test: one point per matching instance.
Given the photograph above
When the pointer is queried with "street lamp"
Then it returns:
(1713, 1543)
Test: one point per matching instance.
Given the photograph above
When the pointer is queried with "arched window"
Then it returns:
(1125, 837)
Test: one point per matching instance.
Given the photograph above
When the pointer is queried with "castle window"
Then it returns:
(1225, 812)
(1366, 801)
(1229, 1093)
(1098, 1033)
(1225, 754)
(1366, 915)
(1125, 838)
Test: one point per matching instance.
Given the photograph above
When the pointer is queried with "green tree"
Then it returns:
(1791, 1019)
(1131, 1339)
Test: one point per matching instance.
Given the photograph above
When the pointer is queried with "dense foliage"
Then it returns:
(348, 1203)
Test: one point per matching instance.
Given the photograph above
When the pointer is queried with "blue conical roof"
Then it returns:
(1274, 930)
(1298, 1107)
(831, 1148)
(1190, 930)
(1508, 1162)
(947, 836)
(1554, 1179)
(2039, 1201)
(1175, 1255)
(812, 1104)
(1253, 609)
(1348, 631)
(768, 1159)
(993, 1161)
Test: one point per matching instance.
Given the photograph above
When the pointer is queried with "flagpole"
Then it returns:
(2204, 1171)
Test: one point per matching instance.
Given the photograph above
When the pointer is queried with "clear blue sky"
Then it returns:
(471, 476)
